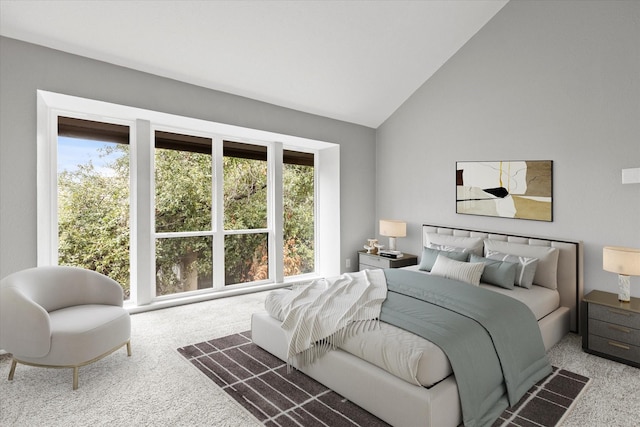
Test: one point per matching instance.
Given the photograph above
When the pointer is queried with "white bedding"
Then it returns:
(411, 357)
(318, 316)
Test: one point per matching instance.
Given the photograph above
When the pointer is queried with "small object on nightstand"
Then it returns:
(371, 246)
(610, 328)
(391, 254)
(370, 261)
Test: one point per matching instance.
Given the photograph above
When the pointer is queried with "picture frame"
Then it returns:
(507, 189)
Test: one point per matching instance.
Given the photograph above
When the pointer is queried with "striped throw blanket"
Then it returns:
(318, 316)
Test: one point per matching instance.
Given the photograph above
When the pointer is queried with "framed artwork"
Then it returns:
(507, 189)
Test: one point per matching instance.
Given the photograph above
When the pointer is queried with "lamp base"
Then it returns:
(392, 243)
(624, 288)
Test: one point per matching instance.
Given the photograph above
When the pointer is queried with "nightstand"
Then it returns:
(610, 328)
(370, 261)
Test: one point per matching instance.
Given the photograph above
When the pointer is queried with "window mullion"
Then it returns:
(142, 227)
(217, 207)
(47, 178)
(276, 213)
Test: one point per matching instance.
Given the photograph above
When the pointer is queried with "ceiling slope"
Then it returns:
(355, 61)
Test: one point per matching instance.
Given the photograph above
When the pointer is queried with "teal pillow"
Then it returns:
(430, 255)
(499, 273)
(525, 267)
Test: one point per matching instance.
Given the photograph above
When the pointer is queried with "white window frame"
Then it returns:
(143, 124)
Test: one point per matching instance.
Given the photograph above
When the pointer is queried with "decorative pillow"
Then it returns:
(525, 267)
(471, 244)
(457, 270)
(429, 256)
(499, 273)
(547, 270)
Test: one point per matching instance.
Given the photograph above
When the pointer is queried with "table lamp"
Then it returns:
(625, 262)
(392, 229)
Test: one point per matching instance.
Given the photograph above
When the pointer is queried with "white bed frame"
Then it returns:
(400, 403)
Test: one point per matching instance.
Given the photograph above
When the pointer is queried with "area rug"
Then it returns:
(260, 383)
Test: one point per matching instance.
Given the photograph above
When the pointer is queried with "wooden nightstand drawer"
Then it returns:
(614, 348)
(615, 332)
(374, 261)
(614, 315)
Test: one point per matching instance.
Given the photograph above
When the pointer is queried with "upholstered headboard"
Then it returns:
(569, 273)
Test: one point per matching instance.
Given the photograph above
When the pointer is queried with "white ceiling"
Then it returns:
(356, 61)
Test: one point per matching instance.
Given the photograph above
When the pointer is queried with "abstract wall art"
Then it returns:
(508, 189)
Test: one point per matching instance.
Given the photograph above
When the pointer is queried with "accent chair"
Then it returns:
(61, 317)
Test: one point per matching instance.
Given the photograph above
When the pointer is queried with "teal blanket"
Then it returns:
(493, 342)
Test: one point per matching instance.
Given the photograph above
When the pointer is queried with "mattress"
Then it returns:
(413, 358)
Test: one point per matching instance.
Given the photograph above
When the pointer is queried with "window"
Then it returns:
(298, 180)
(183, 211)
(177, 209)
(246, 219)
(93, 197)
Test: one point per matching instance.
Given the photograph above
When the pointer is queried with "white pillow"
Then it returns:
(470, 244)
(468, 272)
(547, 269)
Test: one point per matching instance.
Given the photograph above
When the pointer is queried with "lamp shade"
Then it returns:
(393, 228)
(625, 261)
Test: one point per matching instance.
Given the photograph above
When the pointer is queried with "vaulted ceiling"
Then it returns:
(356, 61)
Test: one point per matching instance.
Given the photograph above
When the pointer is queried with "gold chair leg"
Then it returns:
(75, 377)
(12, 371)
(128, 348)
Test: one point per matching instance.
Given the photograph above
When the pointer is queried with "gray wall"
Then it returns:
(24, 68)
(541, 81)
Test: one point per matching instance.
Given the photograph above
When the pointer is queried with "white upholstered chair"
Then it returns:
(61, 317)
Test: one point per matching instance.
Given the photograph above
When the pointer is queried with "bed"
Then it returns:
(426, 394)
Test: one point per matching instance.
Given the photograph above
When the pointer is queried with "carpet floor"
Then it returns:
(260, 383)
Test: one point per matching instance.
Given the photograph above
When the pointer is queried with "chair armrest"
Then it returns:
(25, 328)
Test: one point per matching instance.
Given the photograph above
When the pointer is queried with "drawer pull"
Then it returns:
(622, 346)
(623, 313)
(620, 328)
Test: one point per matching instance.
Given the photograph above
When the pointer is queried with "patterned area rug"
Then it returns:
(260, 383)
